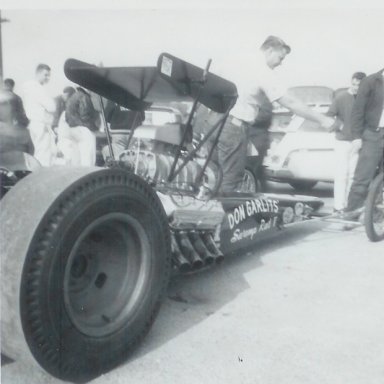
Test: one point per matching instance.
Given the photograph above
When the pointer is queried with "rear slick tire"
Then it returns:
(373, 216)
(85, 266)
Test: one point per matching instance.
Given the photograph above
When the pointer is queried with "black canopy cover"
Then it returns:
(136, 88)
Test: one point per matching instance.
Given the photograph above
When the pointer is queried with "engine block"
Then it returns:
(156, 167)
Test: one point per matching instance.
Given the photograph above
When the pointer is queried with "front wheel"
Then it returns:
(250, 183)
(85, 264)
(374, 210)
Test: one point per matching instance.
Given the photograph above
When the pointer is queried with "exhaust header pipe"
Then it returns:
(192, 250)
(178, 258)
(212, 247)
(200, 248)
(188, 251)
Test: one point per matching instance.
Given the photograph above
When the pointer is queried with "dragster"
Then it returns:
(87, 253)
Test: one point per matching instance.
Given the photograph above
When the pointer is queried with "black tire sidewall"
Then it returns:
(375, 189)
